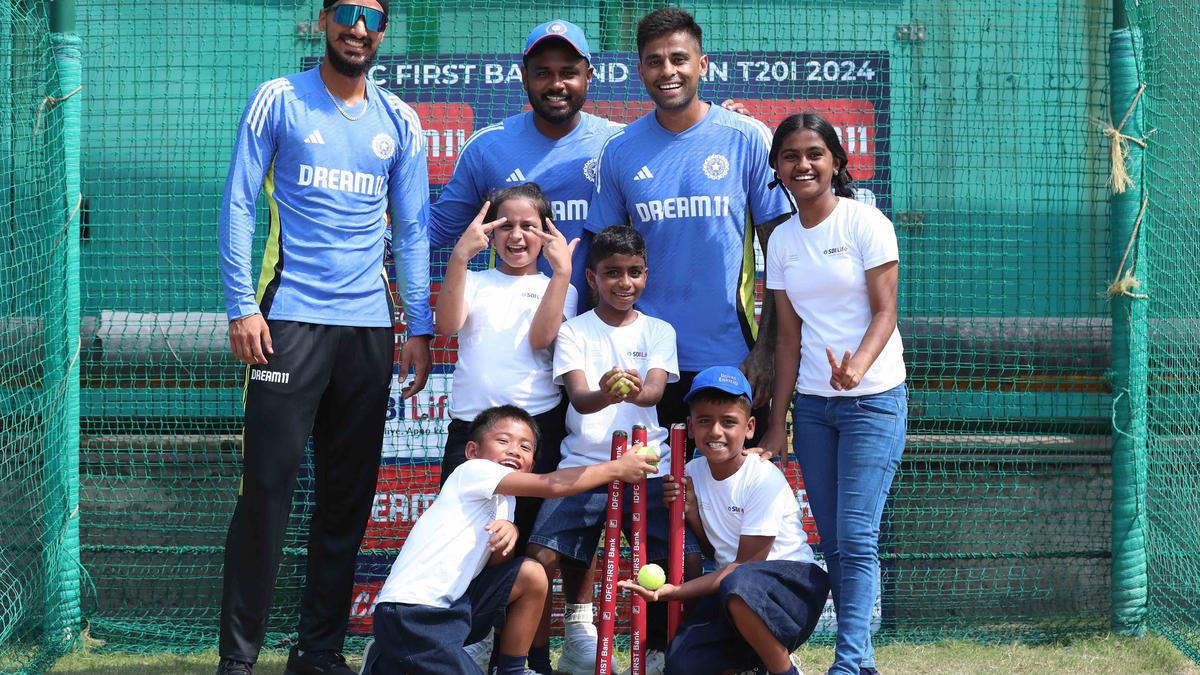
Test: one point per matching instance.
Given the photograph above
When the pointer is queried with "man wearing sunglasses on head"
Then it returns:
(336, 158)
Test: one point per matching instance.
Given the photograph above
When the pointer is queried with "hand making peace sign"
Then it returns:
(477, 237)
(556, 249)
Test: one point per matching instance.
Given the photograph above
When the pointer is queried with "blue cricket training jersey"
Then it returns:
(329, 181)
(513, 152)
(695, 196)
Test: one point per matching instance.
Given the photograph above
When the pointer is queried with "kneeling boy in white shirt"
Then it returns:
(456, 578)
(764, 600)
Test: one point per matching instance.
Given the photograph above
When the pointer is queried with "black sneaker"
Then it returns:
(326, 662)
(862, 670)
(234, 667)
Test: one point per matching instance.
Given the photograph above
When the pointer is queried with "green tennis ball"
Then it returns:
(651, 577)
(651, 454)
(622, 385)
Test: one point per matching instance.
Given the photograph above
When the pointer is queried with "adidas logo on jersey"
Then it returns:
(643, 174)
(315, 137)
(515, 177)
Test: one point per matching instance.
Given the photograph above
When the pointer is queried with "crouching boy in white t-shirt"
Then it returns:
(764, 600)
(456, 578)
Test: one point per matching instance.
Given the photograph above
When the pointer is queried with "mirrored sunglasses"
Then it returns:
(348, 15)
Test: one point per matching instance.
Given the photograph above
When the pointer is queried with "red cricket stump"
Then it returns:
(637, 548)
(606, 645)
(675, 555)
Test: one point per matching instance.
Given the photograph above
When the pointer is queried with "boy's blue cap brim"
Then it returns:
(562, 30)
(723, 378)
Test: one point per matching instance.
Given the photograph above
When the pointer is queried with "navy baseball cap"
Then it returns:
(725, 378)
(562, 30)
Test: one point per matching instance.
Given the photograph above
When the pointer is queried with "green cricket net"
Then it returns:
(974, 126)
(38, 545)
(1168, 248)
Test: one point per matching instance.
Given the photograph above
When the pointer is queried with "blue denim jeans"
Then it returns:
(849, 448)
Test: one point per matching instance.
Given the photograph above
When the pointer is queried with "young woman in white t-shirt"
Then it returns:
(833, 268)
(507, 319)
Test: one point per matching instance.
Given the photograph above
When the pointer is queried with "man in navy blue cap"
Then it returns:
(554, 145)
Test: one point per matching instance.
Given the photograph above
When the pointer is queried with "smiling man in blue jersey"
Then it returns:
(693, 178)
(554, 145)
(336, 158)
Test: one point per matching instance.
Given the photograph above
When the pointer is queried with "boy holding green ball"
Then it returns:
(614, 362)
(764, 600)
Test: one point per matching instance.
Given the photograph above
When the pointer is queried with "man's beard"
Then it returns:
(573, 109)
(344, 67)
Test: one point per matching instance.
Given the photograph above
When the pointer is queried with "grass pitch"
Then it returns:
(1100, 655)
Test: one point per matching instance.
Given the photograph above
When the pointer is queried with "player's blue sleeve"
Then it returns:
(253, 152)
(408, 206)
(765, 204)
(460, 200)
(608, 201)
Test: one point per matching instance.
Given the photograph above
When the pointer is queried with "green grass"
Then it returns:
(1100, 655)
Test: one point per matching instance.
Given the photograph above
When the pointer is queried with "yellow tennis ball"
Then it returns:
(650, 452)
(651, 577)
(622, 385)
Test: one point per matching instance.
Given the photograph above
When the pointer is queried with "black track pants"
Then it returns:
(332, 381)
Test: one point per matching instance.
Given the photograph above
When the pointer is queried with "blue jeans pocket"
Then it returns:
(881, 404)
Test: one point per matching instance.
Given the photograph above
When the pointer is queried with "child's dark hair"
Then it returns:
(821, 127)
(666, 21)
(718, 397)
(531, 191)
(615, 240)
(489, 418)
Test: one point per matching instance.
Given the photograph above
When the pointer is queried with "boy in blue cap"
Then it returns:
(764, 600)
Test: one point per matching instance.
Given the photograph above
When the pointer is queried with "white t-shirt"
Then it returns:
(587, 343)
(496, 365)
(755, 501)
(823, 270)
(447, 547)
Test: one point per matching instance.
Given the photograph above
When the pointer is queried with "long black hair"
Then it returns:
(821, 127)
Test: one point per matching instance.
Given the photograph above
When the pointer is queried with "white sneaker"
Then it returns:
(579, 649)
(656, 661)
(481, 652)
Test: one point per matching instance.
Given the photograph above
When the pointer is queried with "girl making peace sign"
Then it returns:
(507, 319)
(833, 268)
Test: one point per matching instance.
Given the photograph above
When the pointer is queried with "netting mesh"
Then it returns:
(972, 126)
(1169, 247)
(35, 361)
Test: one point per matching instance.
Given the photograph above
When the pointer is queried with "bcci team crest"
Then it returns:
(716, 167)
(384, 146)
(589, 170)
(556, 28)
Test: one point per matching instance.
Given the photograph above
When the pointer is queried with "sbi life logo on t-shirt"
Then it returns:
(837, 250)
